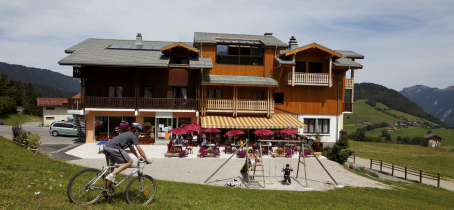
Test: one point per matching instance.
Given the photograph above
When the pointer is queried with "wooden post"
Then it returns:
(354, 157)
(353, 88)
(392, 170)
(330, 67)
(420, 176)
(293, 71)
(371, 163)
(405, 172)
(381, 164)
(438, 181)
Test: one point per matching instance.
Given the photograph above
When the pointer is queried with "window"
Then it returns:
(310, 125)
(257, 96)
(148, 92)
(278, 98)
(50, 118)
(215, 93)
(239, 54)
(179, 60)
(50, 108)
(348, 96)
(323, 126)
(180, 92)
(116, 91)
(300, 67)
(315, 67)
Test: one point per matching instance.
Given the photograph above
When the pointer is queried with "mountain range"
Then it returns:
(48, 83)
(437, 102)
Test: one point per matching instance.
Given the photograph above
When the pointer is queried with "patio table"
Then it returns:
(289, 146)
(178, 146)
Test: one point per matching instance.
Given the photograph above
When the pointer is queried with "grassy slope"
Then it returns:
(447, 135)
(436, 160)
(408, 116)
(12, 118)
(20, 168)
(363, 111)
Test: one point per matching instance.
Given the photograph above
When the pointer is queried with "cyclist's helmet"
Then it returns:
(136, 126)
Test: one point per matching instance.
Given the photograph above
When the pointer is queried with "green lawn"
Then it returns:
(409, 117)
(436, 160)
(23, 173)
(381, 106)
(363, 111)
(21, 119)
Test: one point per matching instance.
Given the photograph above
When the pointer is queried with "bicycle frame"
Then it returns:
(116, 166)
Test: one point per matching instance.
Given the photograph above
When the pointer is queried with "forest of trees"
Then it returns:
(15, 93)
(394, 100)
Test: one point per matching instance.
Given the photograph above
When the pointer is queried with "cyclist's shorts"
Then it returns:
(118, 155)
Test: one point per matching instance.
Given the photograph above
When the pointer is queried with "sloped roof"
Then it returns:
(309, 46)
(430, 135)
(350, 54)
(76, 96)
(201, 62)
(284, 61)
(238, 80)
(346, 62)
(180, 45)
(202, 37)
(94, 52)
(51, 101)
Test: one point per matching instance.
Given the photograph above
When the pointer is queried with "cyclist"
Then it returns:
(116, 149)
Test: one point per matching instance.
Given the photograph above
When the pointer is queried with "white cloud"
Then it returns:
(404, 42)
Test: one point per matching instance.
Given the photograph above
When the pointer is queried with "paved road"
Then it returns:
(50, 146)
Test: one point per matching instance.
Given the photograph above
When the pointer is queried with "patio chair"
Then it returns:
(188, 149)
(228, 149)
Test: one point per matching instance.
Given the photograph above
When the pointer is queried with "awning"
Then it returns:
(251, 122)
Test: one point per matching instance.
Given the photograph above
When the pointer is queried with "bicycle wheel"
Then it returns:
(141, 190)
(79, 191)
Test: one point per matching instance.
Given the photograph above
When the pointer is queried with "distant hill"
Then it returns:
(437, 102)
(51, 92)
(40, 77)
(394, 100)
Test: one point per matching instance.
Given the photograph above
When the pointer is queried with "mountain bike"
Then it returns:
(88, 186)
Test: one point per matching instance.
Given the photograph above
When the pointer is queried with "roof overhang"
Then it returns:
(311, 46)
(179, 45)
(238, 80)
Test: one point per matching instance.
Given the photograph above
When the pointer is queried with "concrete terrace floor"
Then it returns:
(193, 169)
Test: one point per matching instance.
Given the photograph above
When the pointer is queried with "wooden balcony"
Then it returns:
(317, 79)
(242, 106)
(348, 107)
(167, 103)
(75, 104)
(131, 103)
(349, 83)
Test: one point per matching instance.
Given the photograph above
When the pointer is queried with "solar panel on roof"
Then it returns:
(155, 47)
(147, 47)
(114, 46)
(126, 46)
(134, 47)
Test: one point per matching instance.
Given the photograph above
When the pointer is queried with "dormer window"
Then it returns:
(180, 60)
(239, 52)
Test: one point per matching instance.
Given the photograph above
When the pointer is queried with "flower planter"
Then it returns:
(169, 155)
(318, 147)
(317, 154)
(209, 155)
(275, 154)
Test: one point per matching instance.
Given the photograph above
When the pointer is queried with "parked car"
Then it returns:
(64, 129)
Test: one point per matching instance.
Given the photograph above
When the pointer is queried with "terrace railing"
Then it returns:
(167, 103)
(349, 83)
(219, 104)
(110, 102)
(309, 78)
(256, 105)
(75, 104)
(348, 107)
(227, 105)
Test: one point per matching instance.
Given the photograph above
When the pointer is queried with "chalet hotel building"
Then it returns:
(225, 81)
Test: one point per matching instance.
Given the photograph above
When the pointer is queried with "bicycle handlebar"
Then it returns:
(142, 160)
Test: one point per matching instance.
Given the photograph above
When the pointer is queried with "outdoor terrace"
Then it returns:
(317, 79)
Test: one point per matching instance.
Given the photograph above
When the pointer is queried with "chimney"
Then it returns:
(292, 44)
(268, 34)
(139, 39)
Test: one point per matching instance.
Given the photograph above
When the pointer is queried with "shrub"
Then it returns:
(182, 154)
(33, 140)
(216, 152)
(210, 151)
(339, 152)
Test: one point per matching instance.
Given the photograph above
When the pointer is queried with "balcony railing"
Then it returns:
(348, 107)
(167, 103)
(309, 78)
(110, 102)
(349, 83)
(227, 105)
(75, 104)
(130, 103)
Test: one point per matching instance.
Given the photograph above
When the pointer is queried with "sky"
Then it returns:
(405, 42)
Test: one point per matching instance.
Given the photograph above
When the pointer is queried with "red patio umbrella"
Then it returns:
(192, 127)
(289, 131)
(211, 130)
(178, 131)
(263, 132)
(233, 132)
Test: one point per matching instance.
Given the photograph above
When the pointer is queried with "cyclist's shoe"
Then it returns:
(112, 179)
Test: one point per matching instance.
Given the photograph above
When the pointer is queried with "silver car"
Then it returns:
(64, 129)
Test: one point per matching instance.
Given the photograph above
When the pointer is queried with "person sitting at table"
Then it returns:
(194, 137)
(204, 137)
(179, 139)
(218, 137)
(251, 159)
(204, 142)
(170, 144)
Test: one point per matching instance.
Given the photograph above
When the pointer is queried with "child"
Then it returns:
(251, 159)
(257, 157)
(286, 171)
